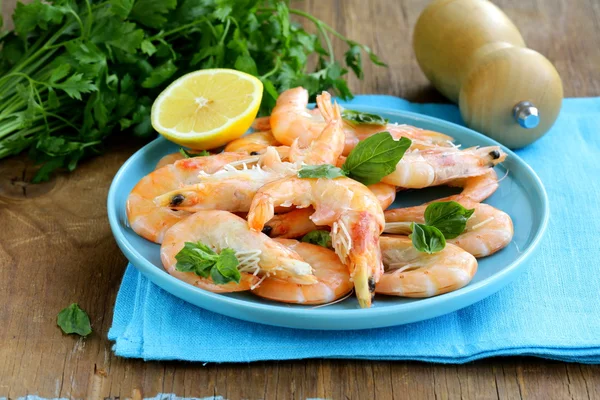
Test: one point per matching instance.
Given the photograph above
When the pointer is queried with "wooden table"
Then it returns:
(56, 248)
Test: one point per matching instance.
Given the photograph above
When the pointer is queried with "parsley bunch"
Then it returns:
(75, 71)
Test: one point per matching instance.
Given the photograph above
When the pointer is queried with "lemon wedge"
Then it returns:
(207, 108)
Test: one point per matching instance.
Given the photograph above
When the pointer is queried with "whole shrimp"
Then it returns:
(229, 189)
(297, 223)
(291, 119)
(476, 188)
(333, 279)
(151, 221)
(488, 229)
(348, 207)
(422, 168)
(329, 144)
(258, 255)
(411, 273)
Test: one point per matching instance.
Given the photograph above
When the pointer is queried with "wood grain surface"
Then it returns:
(56, 248)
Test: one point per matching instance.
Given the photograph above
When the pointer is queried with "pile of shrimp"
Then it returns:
(250, 199)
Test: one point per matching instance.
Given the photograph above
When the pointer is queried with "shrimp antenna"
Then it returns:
(350, 293)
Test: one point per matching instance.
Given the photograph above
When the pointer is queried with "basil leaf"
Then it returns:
(189, 154)
(363, 117)
(318, 237)
(327, 171)
(226, 266)
(203, 261)
(375, 157)
(427, 239)
(197, 258)
(74, 320)
(449, 217)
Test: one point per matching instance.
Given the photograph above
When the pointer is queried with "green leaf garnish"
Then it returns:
(449, 217)
(74, 320)
(360, 117)
(203, 261)
(318, 237)
(189, 154)
(327, 171)
(427, 239)
(225, 269)
(197, 258)
(375, 157)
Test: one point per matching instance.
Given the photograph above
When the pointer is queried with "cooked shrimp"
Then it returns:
(293, 224)
(292, 119)
(169, 159)
(253, 142)
(419, 169)
(333, 279)
(229, 189)
(488, 229)
(258, 255)
(148, 220)
(261, 124)
(411, 273)
(329, 145)
(386, 194)
(297, 223)
(421, 138)
(476, 188)
(347, 206)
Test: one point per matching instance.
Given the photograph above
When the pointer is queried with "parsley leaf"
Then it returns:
(27, 17)
(318, 237)
(122, 8)
(74, 320)
(375, 157)
(449, 217)
(152, 13)
(327, 171)
(76, 85)
(147, 47)
(427, 239)
(160, 75)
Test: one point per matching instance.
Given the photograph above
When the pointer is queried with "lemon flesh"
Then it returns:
(207, 108)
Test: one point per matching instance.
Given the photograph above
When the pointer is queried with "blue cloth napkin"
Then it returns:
(552, 310)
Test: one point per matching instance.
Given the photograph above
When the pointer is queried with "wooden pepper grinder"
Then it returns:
(474, 55)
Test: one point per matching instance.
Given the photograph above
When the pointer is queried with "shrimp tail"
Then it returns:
(261, 211)
(356, 241)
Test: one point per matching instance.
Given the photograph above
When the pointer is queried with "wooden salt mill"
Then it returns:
(474, 55)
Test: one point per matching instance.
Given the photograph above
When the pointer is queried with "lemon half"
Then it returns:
(207, 108)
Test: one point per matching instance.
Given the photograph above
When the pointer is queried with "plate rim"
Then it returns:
(501, 278)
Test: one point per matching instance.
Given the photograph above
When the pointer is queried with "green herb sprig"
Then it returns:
(371, 160)
(73, 72)
(443, 220)
(203, 261)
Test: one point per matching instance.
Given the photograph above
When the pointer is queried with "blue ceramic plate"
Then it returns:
(521, 195)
